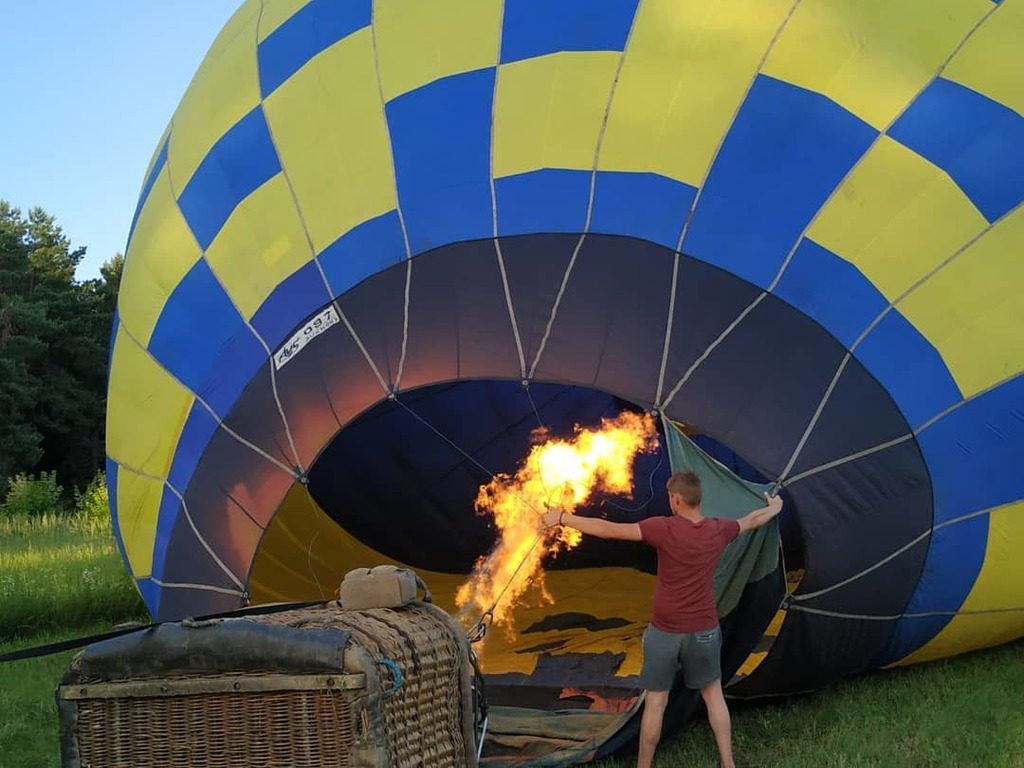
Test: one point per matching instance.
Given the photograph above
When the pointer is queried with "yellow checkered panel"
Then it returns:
(344, 177)
(146, 408)
(160, 253)
(896, 218)
(990, 61)
(686, 71)
(871, 56)
(971, 309)
(266, 227)
(225, 88)
(418, 43)
(548, 111)
(137, 503)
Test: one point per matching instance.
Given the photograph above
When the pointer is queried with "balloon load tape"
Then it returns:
(385, 586)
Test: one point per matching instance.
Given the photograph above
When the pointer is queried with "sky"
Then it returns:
(88, 88)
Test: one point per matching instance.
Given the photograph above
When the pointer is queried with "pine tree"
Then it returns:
(54, 332)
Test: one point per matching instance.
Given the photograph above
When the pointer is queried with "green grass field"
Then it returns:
(966, 711)
(59, 573)
(28, 716)
(62, 578)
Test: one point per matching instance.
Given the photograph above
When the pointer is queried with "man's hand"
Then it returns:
(592, 526)
(551, 517)
(759, 517)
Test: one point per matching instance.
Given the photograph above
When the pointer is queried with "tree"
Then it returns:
(53, 340)
(20, 345)
(110, 282)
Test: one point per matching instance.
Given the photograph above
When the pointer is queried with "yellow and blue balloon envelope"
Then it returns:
(796, 226)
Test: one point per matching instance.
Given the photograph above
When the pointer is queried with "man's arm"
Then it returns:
(759, 517)
(592, 526)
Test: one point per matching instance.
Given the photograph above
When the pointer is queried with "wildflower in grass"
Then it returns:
(90, 576)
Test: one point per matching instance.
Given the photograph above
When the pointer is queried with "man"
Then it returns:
(684, 631)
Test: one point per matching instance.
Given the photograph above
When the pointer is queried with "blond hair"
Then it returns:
(687, 485)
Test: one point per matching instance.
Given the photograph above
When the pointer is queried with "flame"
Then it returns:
(559, 474)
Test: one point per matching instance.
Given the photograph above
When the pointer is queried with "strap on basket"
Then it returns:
(398, 679)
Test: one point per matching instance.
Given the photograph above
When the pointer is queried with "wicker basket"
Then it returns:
(315, 686)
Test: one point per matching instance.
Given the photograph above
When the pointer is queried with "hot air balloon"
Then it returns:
(381, 242)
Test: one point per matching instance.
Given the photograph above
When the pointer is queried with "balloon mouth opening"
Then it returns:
(399, 484)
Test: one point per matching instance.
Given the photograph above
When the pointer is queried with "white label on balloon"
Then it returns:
(304, 335)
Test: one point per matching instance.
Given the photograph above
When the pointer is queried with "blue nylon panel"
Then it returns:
(441, 138)
(196, 323)
(786, 151)
(195, 436)
(831, 290)
(241, 160)
(161, 160)
(150, 595)
(973, 456)
(977, 141)
(907, 365)
(538, 27)
(297, 297)
(954, 559)
(313, 29)
(974, 453)
(111, 477)
(551, 200)
(643, 205)
(364, 250)
(113, 336)
(239, 359)
(167, 517)
(177, 603)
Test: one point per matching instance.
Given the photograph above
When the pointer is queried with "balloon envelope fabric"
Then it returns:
(380, 242)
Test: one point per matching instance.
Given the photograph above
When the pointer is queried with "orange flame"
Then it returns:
(557, 474)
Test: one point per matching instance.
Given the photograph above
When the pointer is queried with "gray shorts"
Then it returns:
(697, 653)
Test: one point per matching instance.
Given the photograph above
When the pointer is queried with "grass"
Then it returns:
(28, 715)
(965, 711)
(61, 577)
(59, 572)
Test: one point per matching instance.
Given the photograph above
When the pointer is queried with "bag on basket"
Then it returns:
(386, 586)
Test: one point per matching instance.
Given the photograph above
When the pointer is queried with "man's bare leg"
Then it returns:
(650, 726)
(718, 716)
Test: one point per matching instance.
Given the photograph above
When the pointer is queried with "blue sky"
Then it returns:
(89, 86)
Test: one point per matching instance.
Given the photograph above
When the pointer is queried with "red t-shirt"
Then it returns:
(688, 553)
